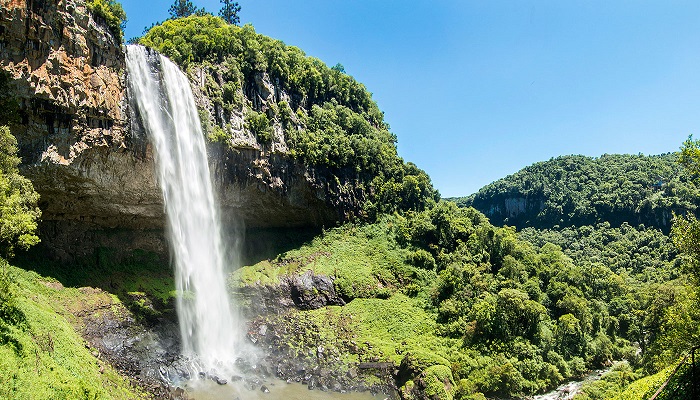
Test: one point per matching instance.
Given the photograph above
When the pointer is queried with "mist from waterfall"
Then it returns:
(162, 96)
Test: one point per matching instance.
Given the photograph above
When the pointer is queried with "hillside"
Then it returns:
(578, 190)
(614, 211)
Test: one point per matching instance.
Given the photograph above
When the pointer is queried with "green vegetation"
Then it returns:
(364, 259)
(577, 190)
(686, 229)
(184, 8)
(611, 216)
(229, 11)
(112, 13)
(329, 120)
(618, 384)
(41, 355)
(505, 317)
(142, 281)
(18, 200)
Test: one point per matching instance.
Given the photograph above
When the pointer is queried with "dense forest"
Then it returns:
(616, 212)
(568, 266)
(578, 190)
(495, 312)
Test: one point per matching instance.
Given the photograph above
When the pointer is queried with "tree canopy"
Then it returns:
(229, 11)
(579, 190)
(182, 8)
(686, 228)
(18, 200)
(113, 14)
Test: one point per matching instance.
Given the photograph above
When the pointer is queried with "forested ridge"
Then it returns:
(614, 214)
(579, 190)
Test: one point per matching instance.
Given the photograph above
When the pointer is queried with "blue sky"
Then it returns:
(476, 90)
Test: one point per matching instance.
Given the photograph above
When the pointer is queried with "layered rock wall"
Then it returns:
(66, 71)
(89, 158)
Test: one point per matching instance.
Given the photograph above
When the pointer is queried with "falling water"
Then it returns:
(163, 98)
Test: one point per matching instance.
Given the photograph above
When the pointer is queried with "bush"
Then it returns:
(18, 200)
(112, 13)
(259, 125)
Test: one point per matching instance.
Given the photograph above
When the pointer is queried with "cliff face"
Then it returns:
(66, 70)
(88, 156)
(261, 183)
(67, 74)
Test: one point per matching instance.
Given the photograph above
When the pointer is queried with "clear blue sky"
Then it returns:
(476, 90)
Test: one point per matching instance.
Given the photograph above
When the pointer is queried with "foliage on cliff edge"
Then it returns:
(113, 14)
(320, 116)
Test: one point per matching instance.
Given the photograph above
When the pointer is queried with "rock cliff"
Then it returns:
(67, 74)
(86, 152)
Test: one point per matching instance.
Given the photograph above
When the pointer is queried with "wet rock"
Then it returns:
(220, 381)
(179, 393)
(312, 383)
(264, 389)
(252, 338)
(252, 384)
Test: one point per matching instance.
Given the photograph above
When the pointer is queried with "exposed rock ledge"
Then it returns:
(85, 152)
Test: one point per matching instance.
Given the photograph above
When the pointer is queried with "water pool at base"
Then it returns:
(278, 389)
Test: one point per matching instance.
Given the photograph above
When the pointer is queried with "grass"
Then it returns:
(644, 388)
(143, 281)
(42, 356)
(364, 261)
(384, 329)
(397, 330)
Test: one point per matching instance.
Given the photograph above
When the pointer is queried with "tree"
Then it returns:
(338, 67)
(690, 156)
(686, 230)
(229, 12)
(18, 200)
(113, 14)
(182, 8)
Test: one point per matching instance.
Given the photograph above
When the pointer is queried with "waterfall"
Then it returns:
(162, 96)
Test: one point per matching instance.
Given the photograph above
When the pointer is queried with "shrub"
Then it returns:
(112, 13)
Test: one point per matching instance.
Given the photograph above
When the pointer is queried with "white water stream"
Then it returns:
(208, 324)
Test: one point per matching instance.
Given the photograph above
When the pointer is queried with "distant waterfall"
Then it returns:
(163, 98)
